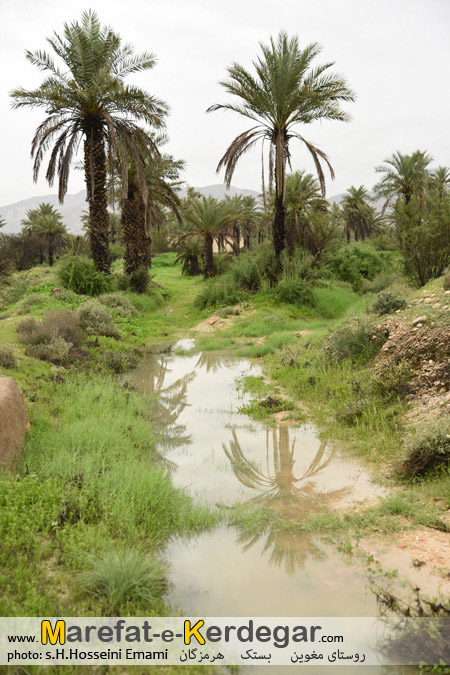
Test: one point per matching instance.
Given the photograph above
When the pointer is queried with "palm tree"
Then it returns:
(2, 222)
(207, 218)
(303, 198)
(287, 92)
(404, 176)
(439, 180)
(189, 256)
(46, 222)
(359, 214)
(87, 100)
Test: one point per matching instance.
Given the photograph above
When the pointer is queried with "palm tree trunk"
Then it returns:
(278, 227)
(95, 176)
(50, 252)
(209, 258)
(137, 241)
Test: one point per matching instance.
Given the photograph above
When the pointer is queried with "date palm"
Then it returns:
(303, 198)
(286, 93)
(46, 222)
(359, 214)
(87, 100)
(404, 176)
(207, 218)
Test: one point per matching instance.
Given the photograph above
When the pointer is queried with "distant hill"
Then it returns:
(75, 204)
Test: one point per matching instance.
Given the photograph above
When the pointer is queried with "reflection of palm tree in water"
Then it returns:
(281, 490)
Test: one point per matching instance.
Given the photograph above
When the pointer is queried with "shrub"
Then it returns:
(7, 358)
(356, 262)
(79, 274)
(56, 351)
(250, 269)
(60, 323)
(428, 450)
(119, 303)
(28, 302)
(119, 362)
(292, 290)
(386, 303)
(355, 341)
(139, 280)
(13, 290)
(96, 320)
(123, 576)
(219, 292)
(392, 381)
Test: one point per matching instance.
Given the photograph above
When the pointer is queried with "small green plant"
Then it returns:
(13, 290)
(386, 303)
(295, 291)
(356, 341)
(119, 304)
(30, 301)
(79, 274)
(96, 320)
(56, 351)
(123, 576)
(122, 281)
(7, 358)
(220, 292)
(427, 450)
(119, 362)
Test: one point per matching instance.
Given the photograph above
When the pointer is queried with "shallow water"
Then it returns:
(230, 458)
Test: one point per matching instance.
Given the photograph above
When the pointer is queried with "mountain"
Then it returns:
(75, 204)
(71, 211)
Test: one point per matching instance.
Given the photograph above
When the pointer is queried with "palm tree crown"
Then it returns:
(404, 176)
(286, 92)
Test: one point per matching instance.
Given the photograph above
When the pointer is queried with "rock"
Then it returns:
(428, 301)
(420, 319)
(13, 421)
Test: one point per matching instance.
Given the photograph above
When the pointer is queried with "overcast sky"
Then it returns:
(394, 53)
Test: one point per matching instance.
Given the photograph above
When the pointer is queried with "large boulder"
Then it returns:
(13, 421)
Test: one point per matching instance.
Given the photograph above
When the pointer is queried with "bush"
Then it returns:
(356, 262)
(220, 292)
(123, 576)
(249, 270)
(355, 341)
(294, 291)
(386, 303)
(28, 302)
(59, 323)
(428, 450)
(79, 274)
(392, 381)
(139, 280)
(122, 281)
(7, 358)
(96, 320)
(13, 290)
(119, 362)
(119, 303)
(56, 351)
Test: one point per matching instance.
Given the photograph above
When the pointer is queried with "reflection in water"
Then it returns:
(279, 488)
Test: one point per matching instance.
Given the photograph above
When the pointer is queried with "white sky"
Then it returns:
(394, 53)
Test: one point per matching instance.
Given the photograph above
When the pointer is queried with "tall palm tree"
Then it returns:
(286, 93)
(86, 99)
(46, 222)
(404, 176)
(439, 180)
(303, 198)
(207, 217)
(359, 214)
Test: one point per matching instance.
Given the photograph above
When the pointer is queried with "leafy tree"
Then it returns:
(206, 218)
(86, 99)
(359, 214)
(423, 231)
(286, 92)
(404, 176)
(46, 222)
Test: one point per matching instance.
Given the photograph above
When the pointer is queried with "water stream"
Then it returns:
(227, 458)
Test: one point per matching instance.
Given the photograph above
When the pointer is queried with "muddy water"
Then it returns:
(227, 458)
